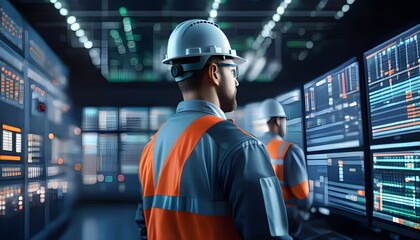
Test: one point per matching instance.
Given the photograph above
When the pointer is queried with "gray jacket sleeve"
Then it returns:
(139, 218)
(296, 176)
(254, 192)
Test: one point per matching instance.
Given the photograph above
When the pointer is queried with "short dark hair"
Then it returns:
(274, 118)
(271, 119)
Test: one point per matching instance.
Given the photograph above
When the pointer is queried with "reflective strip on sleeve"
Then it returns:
(205, 207)
(275, 210)
(273, 148)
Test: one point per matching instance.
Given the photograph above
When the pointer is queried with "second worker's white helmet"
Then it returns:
(271, 108)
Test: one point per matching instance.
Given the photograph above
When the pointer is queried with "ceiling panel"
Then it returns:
(129, 37)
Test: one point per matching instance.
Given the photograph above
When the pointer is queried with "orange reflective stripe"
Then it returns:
(301, 191)
(278, 169)
(146, 170)
(170, 176)
(166, 224)
(273, 148)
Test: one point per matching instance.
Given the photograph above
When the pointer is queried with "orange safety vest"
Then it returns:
(277, 150)
(171, 224)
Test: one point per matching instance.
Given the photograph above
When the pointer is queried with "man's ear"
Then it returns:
(213, 74)
(278, 121)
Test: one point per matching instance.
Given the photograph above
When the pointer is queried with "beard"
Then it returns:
(227, 101)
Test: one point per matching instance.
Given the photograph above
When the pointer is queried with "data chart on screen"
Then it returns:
(338, 181)
(332, 109)
(392, 73)
(396, 187)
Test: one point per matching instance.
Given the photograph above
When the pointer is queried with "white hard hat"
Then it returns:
(197, 38)
(271, 108)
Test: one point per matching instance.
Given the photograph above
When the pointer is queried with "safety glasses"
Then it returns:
(235, 71)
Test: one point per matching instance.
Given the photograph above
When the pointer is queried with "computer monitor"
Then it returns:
(393, 93)
(134, 119)
(338, 181)
(332, 109)
(393, 88)
(396, 190)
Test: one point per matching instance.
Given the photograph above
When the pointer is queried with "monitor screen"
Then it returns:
(134, 119)
(100, 157)
(393, 88)
(332, 109)
(396, 187)
(338, 181)
(131, 147)
(90, 119)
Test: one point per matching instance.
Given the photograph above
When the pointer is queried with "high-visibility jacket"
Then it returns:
(202, 177)
(289, 164)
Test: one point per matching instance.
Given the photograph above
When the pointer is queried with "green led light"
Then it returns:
(131, 44)
(147, 59)
(134, 61)
(224, 25)
(123, 11)
(249, 42)
(238, 46)
(296, 44)
(114, 62)
(149, 76)
(117, 75)
(129, 37)
(126, 21)
(109, 179)
(263, 78)
(114, 33)
(127, 28)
